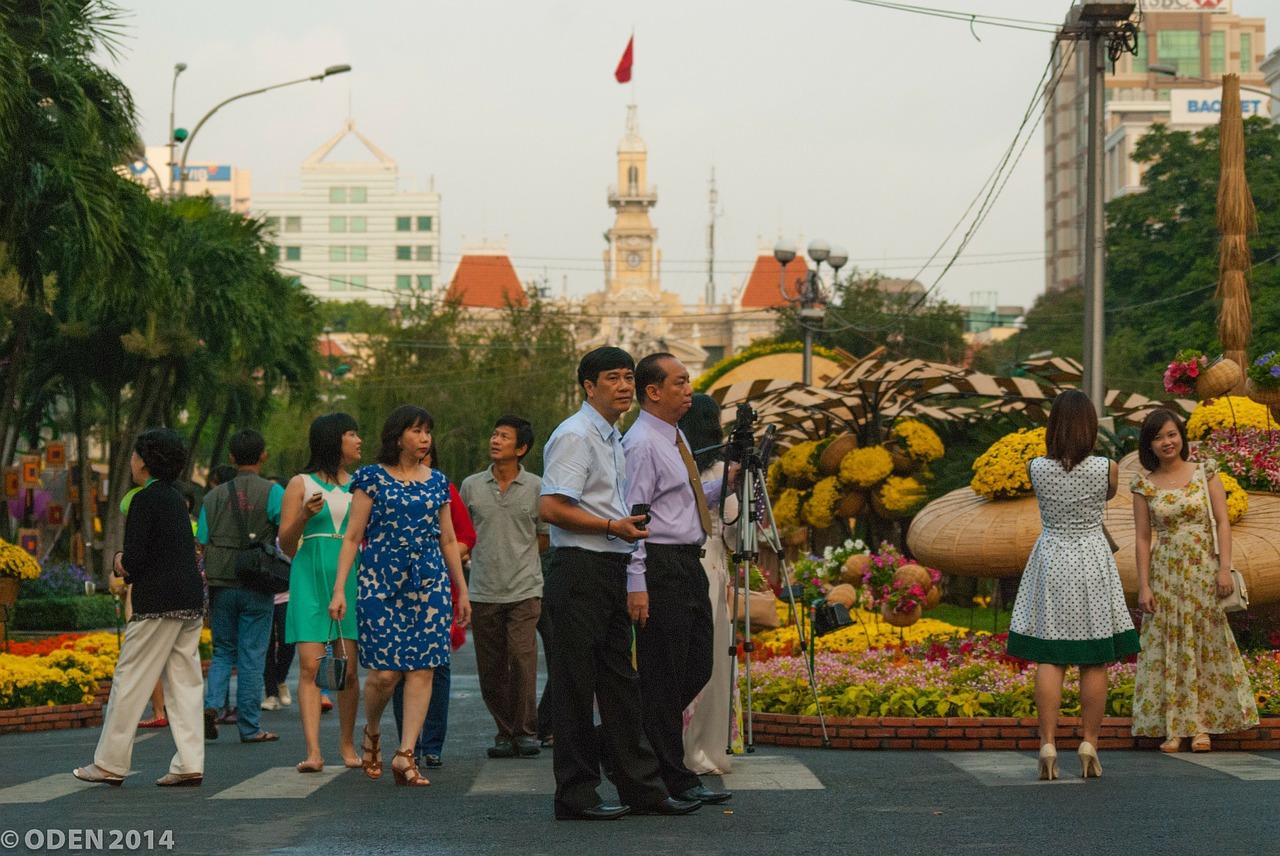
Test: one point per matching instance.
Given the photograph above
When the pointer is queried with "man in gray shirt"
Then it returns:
(506, 586)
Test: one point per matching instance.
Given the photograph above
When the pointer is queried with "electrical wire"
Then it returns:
(966, 17)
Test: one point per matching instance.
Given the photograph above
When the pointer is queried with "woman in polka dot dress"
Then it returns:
(1070, 609)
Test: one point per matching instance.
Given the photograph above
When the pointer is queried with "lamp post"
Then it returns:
(182, 167)
(167, 188)
(809, 289)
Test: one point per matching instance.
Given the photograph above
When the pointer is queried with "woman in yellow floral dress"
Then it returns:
(1191, 681)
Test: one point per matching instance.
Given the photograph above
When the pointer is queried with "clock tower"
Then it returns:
(632, 262)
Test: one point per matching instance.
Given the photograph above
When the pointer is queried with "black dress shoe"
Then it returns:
(598, 812)
(670, 807)
(706, 796)
(210, 724)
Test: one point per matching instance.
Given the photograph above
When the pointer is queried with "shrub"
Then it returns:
(65, 613)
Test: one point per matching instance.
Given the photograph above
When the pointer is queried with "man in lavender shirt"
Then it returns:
(666, 585)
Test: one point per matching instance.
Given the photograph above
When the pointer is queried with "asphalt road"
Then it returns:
(787, 800)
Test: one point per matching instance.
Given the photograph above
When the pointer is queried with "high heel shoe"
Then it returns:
(1201, 743)
(1048, 763)
(409, 775)
(371, 760)
(1172, 746)
(1090, 766)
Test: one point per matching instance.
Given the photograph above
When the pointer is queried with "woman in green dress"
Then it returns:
(313, 520)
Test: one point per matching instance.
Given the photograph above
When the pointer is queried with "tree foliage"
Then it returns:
(863, 316)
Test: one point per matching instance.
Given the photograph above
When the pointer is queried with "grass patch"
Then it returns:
(974, 618)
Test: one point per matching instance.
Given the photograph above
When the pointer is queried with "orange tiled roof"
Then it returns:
(486, 281)
(329, 347)
(762, 288)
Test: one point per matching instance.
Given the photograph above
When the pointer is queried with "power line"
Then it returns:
(969, 17)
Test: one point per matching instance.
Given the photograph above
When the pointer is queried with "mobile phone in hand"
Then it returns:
(642, 508)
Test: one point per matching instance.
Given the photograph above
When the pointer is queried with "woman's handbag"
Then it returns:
(331, 672)
(1238, 600)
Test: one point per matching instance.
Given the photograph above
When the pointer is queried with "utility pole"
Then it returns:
(714, 197)
(1096, 23)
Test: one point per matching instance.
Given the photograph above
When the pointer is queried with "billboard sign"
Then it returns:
(205, 172)
(1186, 5)
(1204, 106)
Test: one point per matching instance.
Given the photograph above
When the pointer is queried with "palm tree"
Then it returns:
(65, 123)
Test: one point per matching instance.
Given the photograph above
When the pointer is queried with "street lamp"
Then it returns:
(182, 167)
(1169, 70)
(809, 289)
(178, 68)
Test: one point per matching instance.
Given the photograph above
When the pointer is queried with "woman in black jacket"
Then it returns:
(162, 638)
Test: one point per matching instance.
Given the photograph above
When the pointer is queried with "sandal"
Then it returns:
(409, 775)
(1171, 746)
(98, 776)
(311, 766)
(1201, 743)
(260, 737)
(371, 760)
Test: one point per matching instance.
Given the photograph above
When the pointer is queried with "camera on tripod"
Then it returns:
(743, 438)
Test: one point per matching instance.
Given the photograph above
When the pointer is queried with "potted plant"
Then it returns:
(1264, 379)
(1181, 375)
(16, 565)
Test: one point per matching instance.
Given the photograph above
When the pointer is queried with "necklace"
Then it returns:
(402, 477)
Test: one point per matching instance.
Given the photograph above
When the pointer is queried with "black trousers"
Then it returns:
(545, 631)
(674, 653)
(279, 653)
(590, 663)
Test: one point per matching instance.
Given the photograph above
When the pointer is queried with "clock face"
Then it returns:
(634, 259)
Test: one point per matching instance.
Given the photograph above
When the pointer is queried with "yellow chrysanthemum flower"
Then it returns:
(17, 562)
(866, 466)
(1001, 471)
(918, 441)
(1237, 498)
(797, 462)
(820, 509)
(902, 495)
(1230, 411)
(786, 510)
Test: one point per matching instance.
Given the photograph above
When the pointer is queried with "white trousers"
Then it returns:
(168, 650)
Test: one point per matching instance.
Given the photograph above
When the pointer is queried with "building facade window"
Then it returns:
(359, 281)
(404, 254)
(293, 224)
(1217, 52)
(337, 224)
(293, 254)
(359, 224)
(337, 194)
(1246, 52)
(403, 281)
(359, 254)
(403, 224)
(337, 283)
(337, 254)
(424, 282)
(358, 194)
(271, 224)
(424, 253)
(424, 224)
(1139, 61)
(1180, 48)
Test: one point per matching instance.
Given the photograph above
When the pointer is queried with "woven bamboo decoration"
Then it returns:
(1237, 219)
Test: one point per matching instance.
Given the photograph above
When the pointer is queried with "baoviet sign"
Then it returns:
(1204, 106)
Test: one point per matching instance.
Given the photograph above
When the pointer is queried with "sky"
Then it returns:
(871, 128)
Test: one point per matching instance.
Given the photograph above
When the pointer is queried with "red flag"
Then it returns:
(623, 72)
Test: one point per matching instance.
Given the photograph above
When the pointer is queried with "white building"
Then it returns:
(351, 233)
(1201, 40)
(231, 188)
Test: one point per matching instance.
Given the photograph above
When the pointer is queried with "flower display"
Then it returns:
(868, 631)
(786, 510)
(901, 495)
(918, 441)
(1251, 455)
(1229, 411)
(1001, 471)
(1180, 376)
(1237, 498)
(799, 462)
(17, 562)
(866, 466)
(820, 508)
(774, 478)
(1265, 371)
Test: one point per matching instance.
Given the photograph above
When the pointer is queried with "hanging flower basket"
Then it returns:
(852, 504)
(1267, 397)
(900, 619)
(829, 460)
(1218, 378)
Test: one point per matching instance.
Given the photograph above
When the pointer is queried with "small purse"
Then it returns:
(331, 671)
(1238, 600)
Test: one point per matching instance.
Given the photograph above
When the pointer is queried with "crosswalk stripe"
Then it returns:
(770, 773)
(513, 776)
(43, 790)
(1240, 765)
(1002, 769)
(280, 783)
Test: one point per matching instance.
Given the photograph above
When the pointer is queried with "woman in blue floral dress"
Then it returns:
(399, 509)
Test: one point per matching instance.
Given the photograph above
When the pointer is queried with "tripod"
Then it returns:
(755, 516)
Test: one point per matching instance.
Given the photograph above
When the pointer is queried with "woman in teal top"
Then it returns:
(313, 520)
